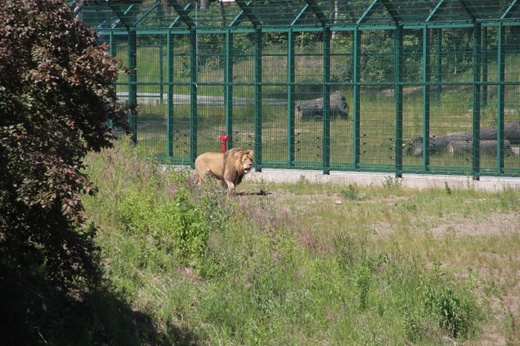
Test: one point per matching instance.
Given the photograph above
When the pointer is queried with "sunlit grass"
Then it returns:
(308, 263)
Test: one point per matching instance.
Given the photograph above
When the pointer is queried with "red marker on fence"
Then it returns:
(223, 142)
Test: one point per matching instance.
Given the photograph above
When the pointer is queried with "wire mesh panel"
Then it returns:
(377, 110)
(377, 129)
(416, 93)
(277, 123)
(240, 84)
(179, 105)
(504, 98)
(510, 149)
(308, 94)
(341, 111)
(451, 111)
(210, 103)
(397, 86)
(150, 121)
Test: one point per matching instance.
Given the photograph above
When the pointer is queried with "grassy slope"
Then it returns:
(307, 264)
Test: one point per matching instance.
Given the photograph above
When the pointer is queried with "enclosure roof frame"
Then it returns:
(468, 11)
(306, 10)
(511, 8)
(366, 16)
(150, 10)
(392, 11)
(122, 16)
(368, 12)
(183, 13)
(246, 8)
(433, 14)
(318, 12)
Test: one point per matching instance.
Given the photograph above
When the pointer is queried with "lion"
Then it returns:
(229, 168)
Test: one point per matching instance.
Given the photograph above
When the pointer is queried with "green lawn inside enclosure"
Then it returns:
(377, 140)
(303, 263)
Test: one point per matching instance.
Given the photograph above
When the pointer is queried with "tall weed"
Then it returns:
(154, 205)
(454, 309)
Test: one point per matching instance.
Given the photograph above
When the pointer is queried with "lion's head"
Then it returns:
(241, 160)
(247, 161)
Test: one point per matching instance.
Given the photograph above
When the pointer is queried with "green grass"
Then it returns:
(377, 145)
(304, 264)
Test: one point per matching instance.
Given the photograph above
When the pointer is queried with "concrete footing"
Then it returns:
(413, 181)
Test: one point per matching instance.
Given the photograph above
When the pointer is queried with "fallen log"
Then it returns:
(488, 147)
(440, 143)
(313, 109)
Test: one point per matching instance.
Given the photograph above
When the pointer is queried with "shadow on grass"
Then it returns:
(253, 193)
(36, 313)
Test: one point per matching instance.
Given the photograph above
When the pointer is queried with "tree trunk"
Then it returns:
(488, 147)
(204, 4)
(439, 143)
(335, 14)
(313, 109)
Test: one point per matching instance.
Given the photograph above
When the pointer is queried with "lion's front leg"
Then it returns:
(230, 188)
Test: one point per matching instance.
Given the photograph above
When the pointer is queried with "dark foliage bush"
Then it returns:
(56, 100)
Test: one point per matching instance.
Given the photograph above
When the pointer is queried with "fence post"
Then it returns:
(132, 80)
(500, 98)
(326, 101)
(193, 95)
(356, 78)
(426, 98)
(476, 101)
(159, 17)
(169, 91)
(228, 85)
(113, 52)
(398, 91)
(290, 98)
(258, 99)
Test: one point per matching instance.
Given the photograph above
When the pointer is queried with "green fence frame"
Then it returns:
(430, 81)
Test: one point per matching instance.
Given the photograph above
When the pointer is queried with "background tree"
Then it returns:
(56, 99)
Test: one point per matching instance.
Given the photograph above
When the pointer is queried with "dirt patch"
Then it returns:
(496, 224)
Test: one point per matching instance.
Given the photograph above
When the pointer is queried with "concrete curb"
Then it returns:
(412, 181)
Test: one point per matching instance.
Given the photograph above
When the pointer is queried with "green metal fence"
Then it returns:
(431, 86)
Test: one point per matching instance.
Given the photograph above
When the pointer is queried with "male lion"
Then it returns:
(229, 167)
